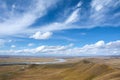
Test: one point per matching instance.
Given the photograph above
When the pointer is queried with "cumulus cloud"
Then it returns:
(41, 49)
(40, 35)
(101, 48)
(98, 48)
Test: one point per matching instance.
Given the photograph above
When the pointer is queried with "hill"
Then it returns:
(85, 69)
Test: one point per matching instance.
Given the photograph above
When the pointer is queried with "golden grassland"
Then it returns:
(29, 59)
(73, 69)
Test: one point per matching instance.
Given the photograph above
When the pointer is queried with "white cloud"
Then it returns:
(39, 49)
(13, 6)
(40, 35)
(96, 16)
(31, 44)
(18, 22)
(101, 13)
(67, 24)
(100, 43)
(98, 48)
(79, 4)
(98, 5)
(73, 17)
(101, 48)
(10, 40)
(13, 46)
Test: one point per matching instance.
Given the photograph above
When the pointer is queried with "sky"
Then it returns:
(59, 27)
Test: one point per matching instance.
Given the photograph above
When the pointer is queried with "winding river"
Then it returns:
(27, 63)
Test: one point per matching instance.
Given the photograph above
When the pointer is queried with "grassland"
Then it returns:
(73, 69)
(29, 59)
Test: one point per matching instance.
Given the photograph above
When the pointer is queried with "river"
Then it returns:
(27, 63)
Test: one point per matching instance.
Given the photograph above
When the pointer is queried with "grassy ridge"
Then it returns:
(82, 70)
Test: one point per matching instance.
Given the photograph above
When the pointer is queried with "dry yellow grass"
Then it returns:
(26, 60)
(83, 69)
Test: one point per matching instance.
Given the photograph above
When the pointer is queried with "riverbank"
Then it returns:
(28, 62)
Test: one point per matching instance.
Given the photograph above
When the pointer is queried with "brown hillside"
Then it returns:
(83, 70)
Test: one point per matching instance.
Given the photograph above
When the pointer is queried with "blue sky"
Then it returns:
(59, 27)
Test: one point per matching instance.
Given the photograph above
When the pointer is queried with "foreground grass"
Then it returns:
(82, 70)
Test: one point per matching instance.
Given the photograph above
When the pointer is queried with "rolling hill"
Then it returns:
(86, 69)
